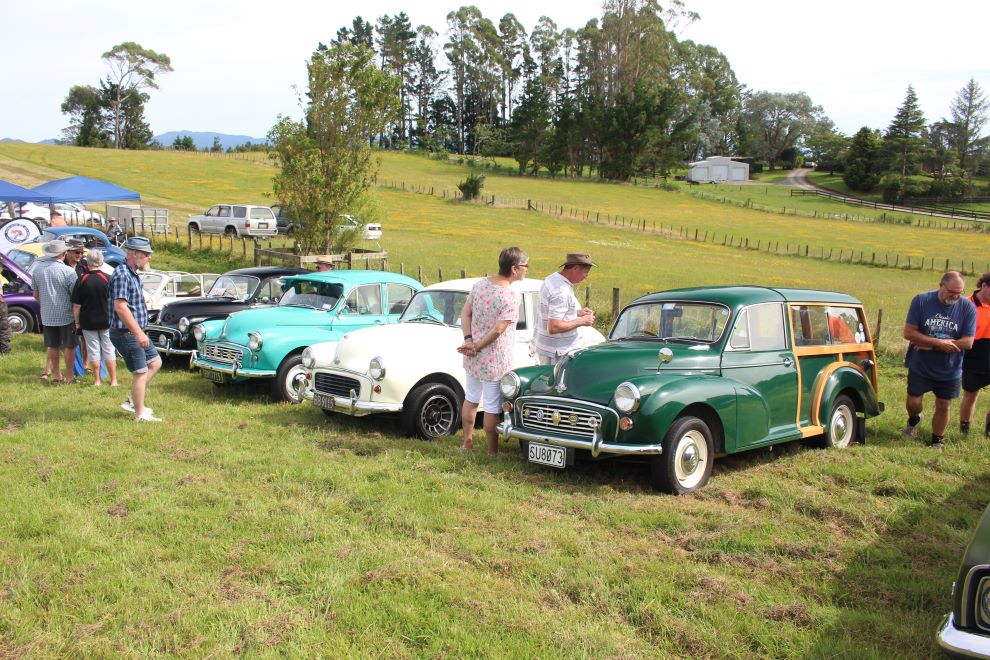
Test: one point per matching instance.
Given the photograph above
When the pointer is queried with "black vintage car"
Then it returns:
(233, 291)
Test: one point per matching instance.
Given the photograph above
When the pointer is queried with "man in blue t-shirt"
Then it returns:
(940, 325)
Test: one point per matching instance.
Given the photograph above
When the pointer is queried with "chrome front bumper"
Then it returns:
(234, 370)
(961, 643)
(352, 405)
(596, 445)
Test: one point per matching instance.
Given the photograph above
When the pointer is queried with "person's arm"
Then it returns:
(75, 313)
(492, 335)
(466, 348)
(556, 326)
(923, 341)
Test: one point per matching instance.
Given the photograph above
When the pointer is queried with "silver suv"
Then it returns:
(235, 220)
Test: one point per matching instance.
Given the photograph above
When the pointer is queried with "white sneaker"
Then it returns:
(147, 416)
(910, 432)
(129, 407)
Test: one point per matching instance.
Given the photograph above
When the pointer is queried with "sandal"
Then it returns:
(44, 375)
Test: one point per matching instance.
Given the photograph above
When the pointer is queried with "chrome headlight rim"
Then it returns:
(183, 324)
(308, 360)
(198, 332)
(509, 385)
(255, 341)
(626, 397)
(376, 368)
(981, 603)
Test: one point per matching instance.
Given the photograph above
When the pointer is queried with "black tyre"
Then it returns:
(686, 461)
(290, 381)
(194, 227)
(842, 426)
(432, 410)
(21, 321)
(230, 231)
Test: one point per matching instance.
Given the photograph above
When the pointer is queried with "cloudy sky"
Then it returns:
(237, 61)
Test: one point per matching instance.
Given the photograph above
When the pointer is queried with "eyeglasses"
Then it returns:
(523, 265)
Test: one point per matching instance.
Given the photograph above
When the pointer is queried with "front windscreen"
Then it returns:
(685, 321)
(309, 293)
(233, 286)
(436, 307)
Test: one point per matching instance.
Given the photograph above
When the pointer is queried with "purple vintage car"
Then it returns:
(23, 310)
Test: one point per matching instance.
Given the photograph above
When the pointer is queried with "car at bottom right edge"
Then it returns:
(965, 631)
(691, 374)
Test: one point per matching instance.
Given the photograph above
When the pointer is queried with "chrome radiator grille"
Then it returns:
(222, 353)
(549, 415)
(330, 383)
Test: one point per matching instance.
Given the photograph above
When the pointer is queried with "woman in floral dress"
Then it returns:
(489, 321)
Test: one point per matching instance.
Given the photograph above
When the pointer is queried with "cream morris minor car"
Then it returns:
(690, 374)
(413, 367)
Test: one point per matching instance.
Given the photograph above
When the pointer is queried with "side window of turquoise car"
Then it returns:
(364, 300)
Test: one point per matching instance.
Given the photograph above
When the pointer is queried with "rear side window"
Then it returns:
(261, 213)
(399, 296)
(810, 325)
(240, 212)
(844, 325)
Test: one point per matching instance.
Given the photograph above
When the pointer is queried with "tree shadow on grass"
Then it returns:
(903, 579)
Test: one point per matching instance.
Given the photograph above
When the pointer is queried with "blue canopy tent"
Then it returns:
(10, 192)
(82, 189)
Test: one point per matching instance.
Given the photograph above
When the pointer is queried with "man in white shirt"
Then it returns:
(560, 315)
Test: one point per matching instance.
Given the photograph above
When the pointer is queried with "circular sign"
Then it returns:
(17, 232)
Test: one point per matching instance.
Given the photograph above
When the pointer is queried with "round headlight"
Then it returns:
(254, 341)
(376, 368)
(184, 325)
(510, 385)
(626, 397)
(308, 360)
(198, 332)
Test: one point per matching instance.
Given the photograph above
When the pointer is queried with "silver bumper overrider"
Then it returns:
(961, 643)
(350, 405)
(596, 445)
(234, 370)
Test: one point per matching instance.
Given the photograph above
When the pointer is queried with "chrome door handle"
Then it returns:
(788, 361)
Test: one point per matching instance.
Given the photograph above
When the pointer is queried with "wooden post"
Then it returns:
(463, 273)
(440, 274)
(257, 254)
(587, 296)
(402, 265)
(420, 276)
(615, 302)
(876, 332)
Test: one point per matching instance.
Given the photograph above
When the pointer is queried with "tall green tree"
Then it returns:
(427, 82)
(397, 43)
(863, 163)
(530, 126)
(904, 141)
(777, 121)
(132, 68)
(513, 52)
(87, 126)
(826, 144)
(325, 163)
(969, 109)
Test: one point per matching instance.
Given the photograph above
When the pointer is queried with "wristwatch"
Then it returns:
(466, 337)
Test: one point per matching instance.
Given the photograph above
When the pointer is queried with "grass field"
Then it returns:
(245, 527)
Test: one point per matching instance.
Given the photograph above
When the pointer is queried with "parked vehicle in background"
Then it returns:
(233, 291)
(374, 371)
(965, 630)
(29, 255)
(286, 226)
(314, 308)
(23, 311)
(93, 239)
(235, 220)
(162, 287)
(372, 231)
(693, 373)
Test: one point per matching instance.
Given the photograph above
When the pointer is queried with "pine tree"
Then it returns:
(969, 115)
(904, 142)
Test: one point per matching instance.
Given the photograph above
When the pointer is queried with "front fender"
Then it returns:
(212, 328)
(839, 377)
(275, 348)
(662, 405)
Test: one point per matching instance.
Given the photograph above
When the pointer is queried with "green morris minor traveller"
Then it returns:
(314, 308)
(690, 374)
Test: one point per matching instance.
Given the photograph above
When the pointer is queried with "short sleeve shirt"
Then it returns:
(126, 285)
(491, 304)
(977, 359)
(91, 294)
(934, 319)
(54, 281)
(557, 301)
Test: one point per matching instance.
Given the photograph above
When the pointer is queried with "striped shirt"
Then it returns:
(54, 282)
(557, 301)
(126, 285)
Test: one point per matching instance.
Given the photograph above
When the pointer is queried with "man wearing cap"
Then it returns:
(560, 314)
(53, 282)
(74, 251)
(323, 264)
(56, 220)
(128, 317)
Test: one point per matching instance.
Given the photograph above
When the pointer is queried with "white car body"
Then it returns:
(162, 287)
(416, 354)
(372, 230)
(73, 213)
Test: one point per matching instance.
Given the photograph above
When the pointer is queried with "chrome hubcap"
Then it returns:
(17, 325)
(840, 430)
(690, 459)
(296, 381)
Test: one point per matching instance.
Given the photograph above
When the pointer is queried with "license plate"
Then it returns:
(215, 376)
(547, 455)
(262, 225)
(324, 401)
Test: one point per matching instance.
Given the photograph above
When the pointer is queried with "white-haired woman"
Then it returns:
(91, 309)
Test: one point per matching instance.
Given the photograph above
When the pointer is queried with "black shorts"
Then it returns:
(60, 336)
(974, 382)
(942, 389)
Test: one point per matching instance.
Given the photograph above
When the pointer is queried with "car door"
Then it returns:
(362, 307)
(208, 221)
(760, 359)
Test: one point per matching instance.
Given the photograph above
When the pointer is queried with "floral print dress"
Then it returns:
(489, 305)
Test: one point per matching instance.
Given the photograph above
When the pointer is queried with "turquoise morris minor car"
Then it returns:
(314, 308)
(690, 374)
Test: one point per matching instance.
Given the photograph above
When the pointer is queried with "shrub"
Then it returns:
(440, 154)
(471, 186)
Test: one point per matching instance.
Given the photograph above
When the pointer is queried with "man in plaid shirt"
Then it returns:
(128, 317)
(53, 282)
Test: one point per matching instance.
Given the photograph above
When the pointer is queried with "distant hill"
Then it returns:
(10, 140)
(204, 140)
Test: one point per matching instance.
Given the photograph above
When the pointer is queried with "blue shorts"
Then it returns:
(942, 389)
(135, 357)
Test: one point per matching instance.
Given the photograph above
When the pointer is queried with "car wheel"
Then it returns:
(686, 461)
(432, 410)
(230, 231)
(21, 321)
(194, 227)
(841, 428)
(290, 381)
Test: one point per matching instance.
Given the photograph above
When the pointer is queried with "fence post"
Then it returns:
(587, 296)
(420, 277)
(257, 254)
(402, 265)
(440, 273)
(463, 273)
(615, 302)
(243, 248)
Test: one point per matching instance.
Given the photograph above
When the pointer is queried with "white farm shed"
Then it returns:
(718, 169)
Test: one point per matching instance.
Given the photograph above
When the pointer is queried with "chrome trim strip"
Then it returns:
(961, 642)
(596, 446)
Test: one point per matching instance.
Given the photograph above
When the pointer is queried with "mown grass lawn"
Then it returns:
(242, 526)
